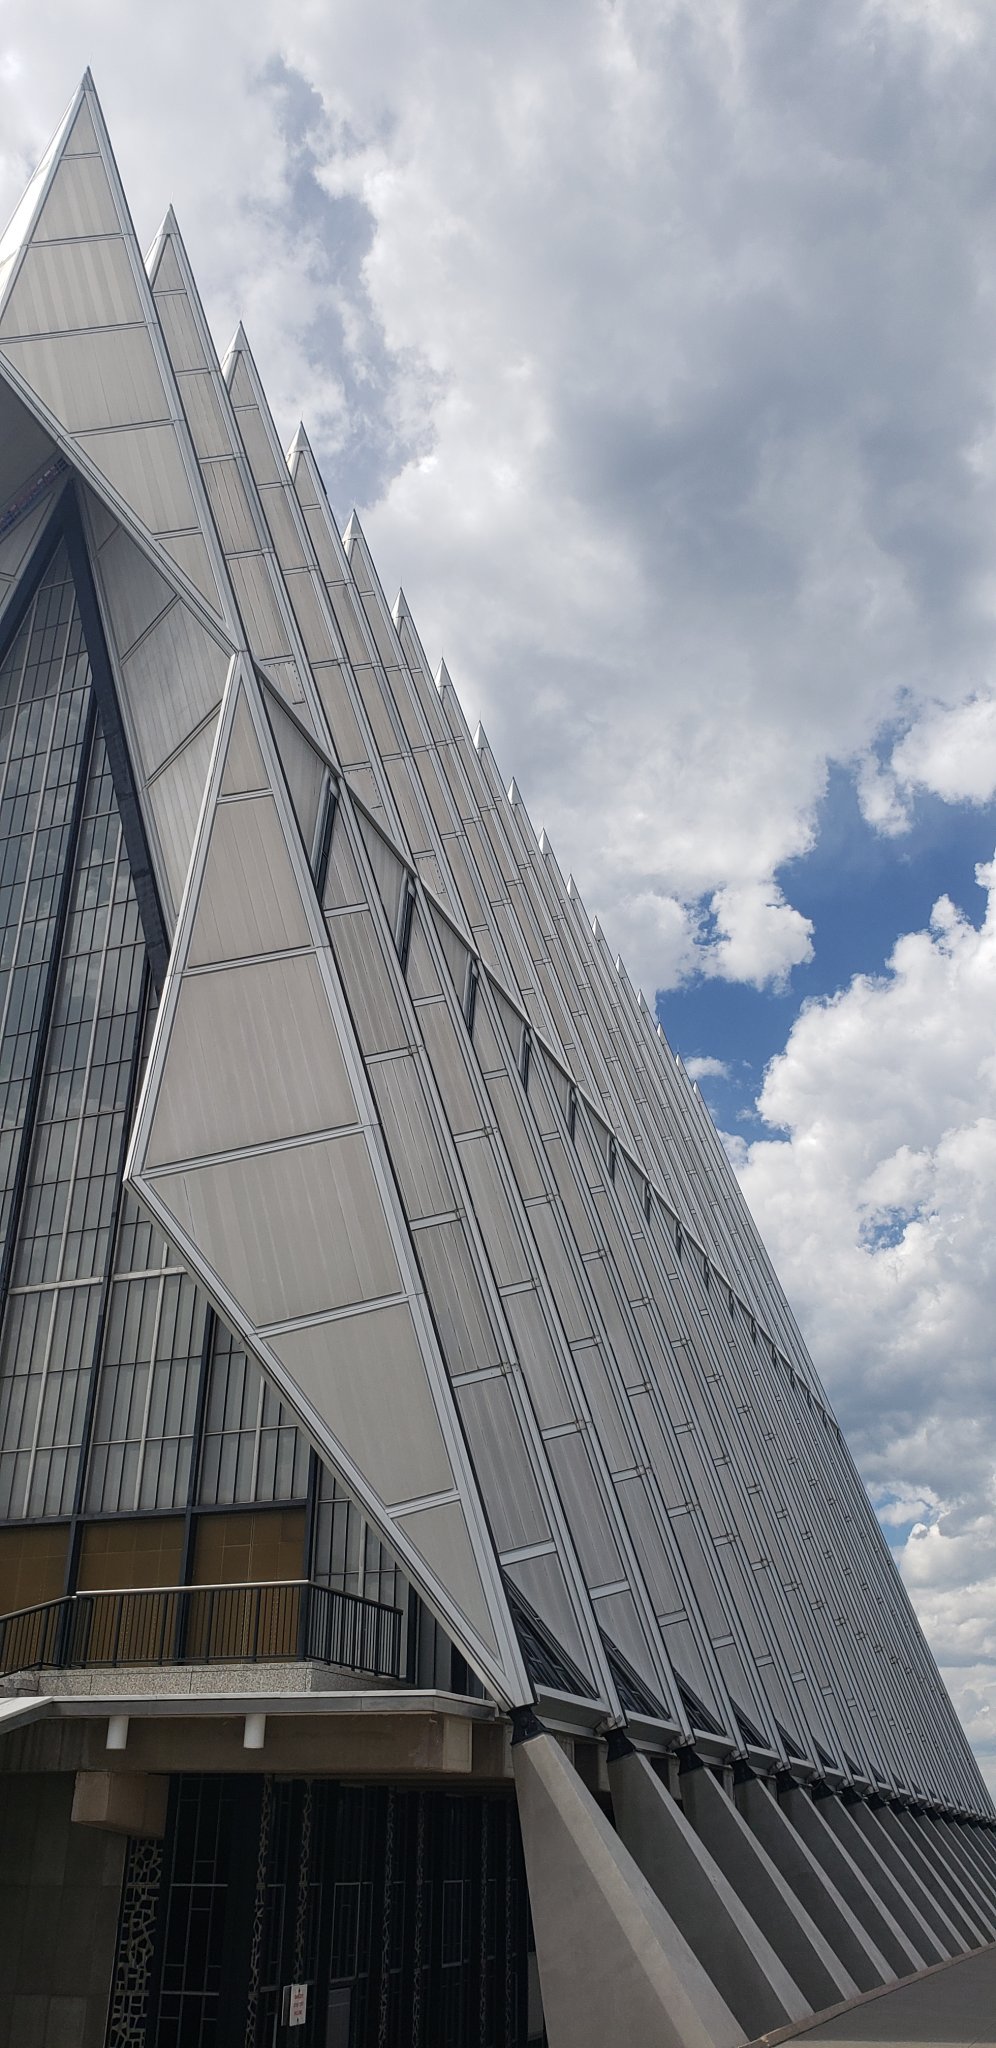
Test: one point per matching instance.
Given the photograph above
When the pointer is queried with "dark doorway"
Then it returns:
(400, 1911)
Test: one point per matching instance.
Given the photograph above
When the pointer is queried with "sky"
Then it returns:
(656, 344)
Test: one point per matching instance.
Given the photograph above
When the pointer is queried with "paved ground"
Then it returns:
(955, 2005)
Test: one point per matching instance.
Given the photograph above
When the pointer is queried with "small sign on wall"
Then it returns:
(295, 2005)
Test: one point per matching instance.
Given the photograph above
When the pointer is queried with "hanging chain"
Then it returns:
(482, 2003)
(419, 1917)
(385, 1929)
(303, 1885)
(511, 2024)
(258, 1912)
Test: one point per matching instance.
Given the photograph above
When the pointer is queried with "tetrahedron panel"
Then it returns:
(80, 344)
(258, 1150)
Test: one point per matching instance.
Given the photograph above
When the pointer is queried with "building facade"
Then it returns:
(436, 1601)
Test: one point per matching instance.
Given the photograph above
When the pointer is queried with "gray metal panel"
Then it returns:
(366, 1372)
(390, 873)
(441, 1537)
(79, 202)
(305, 770)
(173, 800)
(515, 1510)
(261, 615)
(293, 1232)
(171, 679)
(359, 948)
(449, 1064)
(334, 690)
(499, 1227)
(105, 378)
(284, 534)
(536, 1349)
(229, 501)
(254, 1057)
(144, 465)
(183, 337)
(320, 643)
(426, 1188)
(136, 594)
(249, 900)
(468, 1339)
(505, 1094)
(343, 884)
(204, 413)
(602, 1401)
(257, 446)
(589, 1524)
(189, 552)
(422, 977)
(541, 1580)
(70, 285)
(453, 949)
(546, 1229)
(244, 770)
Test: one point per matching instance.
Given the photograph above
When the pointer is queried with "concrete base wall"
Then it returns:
(60, 1895)
(793, 1934)
(613, 1966)
(805, 1876)
(690, 1885)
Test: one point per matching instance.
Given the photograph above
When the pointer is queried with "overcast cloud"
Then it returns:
(657, 343)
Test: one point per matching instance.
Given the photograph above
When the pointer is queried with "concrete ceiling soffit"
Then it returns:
(81, 347)
(257, 1149)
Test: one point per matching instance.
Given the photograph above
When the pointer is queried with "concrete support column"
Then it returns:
(692, 1888)
(983, 1846)
(964, 1842)
(933, 1874)
(927, 1904)
(866, 1905)
(806, 1877)
(839, 1818)
(793, 1934)
(944, 1852)
(943, 1844)
(612, 1964)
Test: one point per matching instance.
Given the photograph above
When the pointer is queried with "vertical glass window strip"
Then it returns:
(252, 1452)
(62, 1248)
(525, 1056)
(610, 1158)
(323, 840)
(143, 1433)
(405, 928)
(572, 1114)
(470, 1006)
(348, 1555)
(44, 695)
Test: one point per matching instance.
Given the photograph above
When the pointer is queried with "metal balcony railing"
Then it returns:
(254, 1624)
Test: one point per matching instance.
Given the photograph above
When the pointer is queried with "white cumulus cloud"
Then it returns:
(878, 1202)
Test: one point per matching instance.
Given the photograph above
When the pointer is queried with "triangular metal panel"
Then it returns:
(272, 1226)
(170, 673)
(81, 347)
(332, 656)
